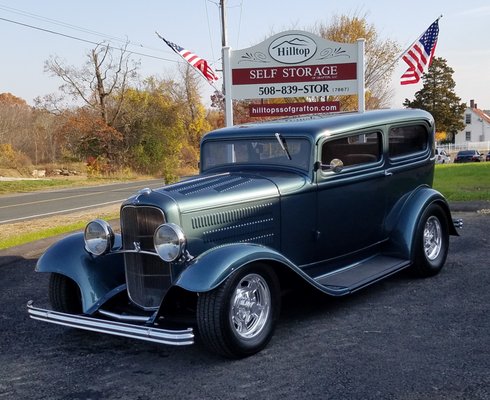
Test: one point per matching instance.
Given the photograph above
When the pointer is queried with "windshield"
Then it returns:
(256, 152)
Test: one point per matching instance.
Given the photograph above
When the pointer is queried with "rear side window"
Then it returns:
(353, 150)
(404, 140)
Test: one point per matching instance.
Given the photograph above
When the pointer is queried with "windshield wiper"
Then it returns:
(283, 144)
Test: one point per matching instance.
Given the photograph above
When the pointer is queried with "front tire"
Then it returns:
(238, 318)
(431, 242)
(64, 294)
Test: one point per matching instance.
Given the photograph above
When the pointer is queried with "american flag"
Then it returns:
(200, 64)
(419, 55)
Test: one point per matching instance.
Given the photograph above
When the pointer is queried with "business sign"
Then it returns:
(294, 64)
(292, 109)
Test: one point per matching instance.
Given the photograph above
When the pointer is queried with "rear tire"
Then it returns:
(237, 319)
(431, 242)
(64, 294)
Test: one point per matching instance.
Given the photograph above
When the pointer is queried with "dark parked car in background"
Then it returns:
(337, 202)
(487, 158)
(468, 156)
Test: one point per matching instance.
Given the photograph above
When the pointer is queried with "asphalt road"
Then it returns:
(21, 207)
(402, 338)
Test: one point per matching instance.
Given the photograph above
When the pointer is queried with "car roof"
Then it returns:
(317, 126)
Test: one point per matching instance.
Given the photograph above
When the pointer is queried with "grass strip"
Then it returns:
(24, 238)
(463, 182)
(40, 233)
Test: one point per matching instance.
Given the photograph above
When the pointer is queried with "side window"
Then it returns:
(404, 140)
(353, 150)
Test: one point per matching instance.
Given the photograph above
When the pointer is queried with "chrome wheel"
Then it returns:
(432, 238)
(238, 318)
(250, 306)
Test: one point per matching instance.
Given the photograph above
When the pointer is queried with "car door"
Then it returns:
(350, 199)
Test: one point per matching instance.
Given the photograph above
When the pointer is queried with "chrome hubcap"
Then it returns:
(250, 306)
(432, 238)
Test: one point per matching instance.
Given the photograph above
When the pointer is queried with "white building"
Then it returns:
(476, 134)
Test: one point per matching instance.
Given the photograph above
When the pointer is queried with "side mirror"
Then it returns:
(336, 165)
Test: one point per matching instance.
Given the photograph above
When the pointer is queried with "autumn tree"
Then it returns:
(193, 115)
(437, 96)
(241, 113)
(88, 137)
(153, 129)
(15, 118)
(16, 126)
(193, 111)
(380, 55)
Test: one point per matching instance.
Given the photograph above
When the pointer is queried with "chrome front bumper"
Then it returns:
(141, 332)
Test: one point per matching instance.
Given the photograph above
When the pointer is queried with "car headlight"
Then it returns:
(99, 237)
(169, 241)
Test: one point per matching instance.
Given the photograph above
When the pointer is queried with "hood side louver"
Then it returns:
(254, 224)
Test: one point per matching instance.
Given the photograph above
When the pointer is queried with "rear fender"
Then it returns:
(210, 269)
(405, 219)
(99, 278)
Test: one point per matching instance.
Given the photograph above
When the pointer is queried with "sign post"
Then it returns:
(227, 87)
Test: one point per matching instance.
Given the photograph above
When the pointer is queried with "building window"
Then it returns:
(468, 118)
(468, 136)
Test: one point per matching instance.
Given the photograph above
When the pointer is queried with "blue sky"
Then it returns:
(195, 24)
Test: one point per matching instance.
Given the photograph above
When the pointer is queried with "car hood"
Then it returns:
(217, 190)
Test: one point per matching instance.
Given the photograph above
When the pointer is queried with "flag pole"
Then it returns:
(226, 55)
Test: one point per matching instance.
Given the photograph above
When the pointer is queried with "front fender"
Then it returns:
(406, 215)
(212, 267)
(98, 278)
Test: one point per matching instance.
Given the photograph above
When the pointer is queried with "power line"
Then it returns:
(84, 40)
(54, 21)
(76, 28)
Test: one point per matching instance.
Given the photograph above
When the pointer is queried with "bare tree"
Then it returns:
(101, 83)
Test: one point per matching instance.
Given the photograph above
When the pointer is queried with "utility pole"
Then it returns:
(226, 54)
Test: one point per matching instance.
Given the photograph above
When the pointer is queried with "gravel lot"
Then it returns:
(399, 339)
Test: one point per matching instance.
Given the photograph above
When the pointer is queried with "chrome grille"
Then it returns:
(147, 276)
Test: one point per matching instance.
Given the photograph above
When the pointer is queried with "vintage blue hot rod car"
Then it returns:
(338, 202)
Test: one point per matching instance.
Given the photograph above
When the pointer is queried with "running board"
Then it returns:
(141, 332)
(359, 275)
